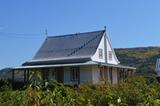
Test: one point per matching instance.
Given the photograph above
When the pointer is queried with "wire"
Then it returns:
(20, 35)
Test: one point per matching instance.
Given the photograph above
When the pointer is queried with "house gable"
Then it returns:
(100, 52)
(111, 56)
(108, 53)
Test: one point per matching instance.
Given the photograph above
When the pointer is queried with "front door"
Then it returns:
(60, 74)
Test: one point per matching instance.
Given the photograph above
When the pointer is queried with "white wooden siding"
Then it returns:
(95, 57)
(86, 74)
(95, 74)
(114, 76)
(109, 48)
(106, 46)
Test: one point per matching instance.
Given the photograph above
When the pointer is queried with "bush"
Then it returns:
(132, 92)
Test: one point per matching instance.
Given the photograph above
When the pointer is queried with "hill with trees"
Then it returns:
(143, 58)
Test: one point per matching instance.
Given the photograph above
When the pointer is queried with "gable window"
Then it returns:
(74, 73)
(100, 53)
(110, 55)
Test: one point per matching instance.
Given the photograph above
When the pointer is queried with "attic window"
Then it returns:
(110, 55)
(100, 53)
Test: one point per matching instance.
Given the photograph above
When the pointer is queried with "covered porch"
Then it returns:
(46, 74)
(115, 74)
(77, 73)
(62, 73)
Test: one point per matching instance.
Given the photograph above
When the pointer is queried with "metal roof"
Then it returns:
(68, 50)
(69, 46)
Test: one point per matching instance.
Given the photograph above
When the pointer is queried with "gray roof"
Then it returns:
(67, 47)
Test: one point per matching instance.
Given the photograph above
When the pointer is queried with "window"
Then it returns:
(52, 74)
(103, 74)
(106, 73)
(122, 74)
(100, 53)
(74, 73)
(110, 55)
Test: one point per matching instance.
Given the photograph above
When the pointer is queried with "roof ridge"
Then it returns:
(74, 34)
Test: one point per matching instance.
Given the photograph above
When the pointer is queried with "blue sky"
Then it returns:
(130, 23)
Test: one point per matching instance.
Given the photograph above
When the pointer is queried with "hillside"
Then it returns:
(143, 58)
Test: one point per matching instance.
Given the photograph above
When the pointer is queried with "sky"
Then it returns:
(130, 23)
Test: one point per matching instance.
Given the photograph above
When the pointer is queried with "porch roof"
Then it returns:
(73, 64)
(55, 65)
(118, 66)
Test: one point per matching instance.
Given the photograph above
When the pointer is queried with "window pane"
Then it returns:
(110, 55)
(100, 53)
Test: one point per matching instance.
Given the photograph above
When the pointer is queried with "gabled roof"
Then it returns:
(68, 47)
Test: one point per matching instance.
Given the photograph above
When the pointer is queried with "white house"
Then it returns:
(76, 59)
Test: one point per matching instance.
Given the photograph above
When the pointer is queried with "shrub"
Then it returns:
(132, 92)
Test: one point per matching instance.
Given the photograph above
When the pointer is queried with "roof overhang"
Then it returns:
(54, 65)
(57, 61)
(118, 66)
(73, 64)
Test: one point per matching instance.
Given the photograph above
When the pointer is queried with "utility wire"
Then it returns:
(21, 35)
(18, 33)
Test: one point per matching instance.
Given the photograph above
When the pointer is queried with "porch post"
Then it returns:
(111, 74)
(123, 74)
(78, 75)
(27, 75)
(43, 74)
(24, 76)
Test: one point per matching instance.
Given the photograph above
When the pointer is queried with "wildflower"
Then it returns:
(119, 100)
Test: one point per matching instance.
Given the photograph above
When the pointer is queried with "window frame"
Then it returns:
(74, 74)
(110, 55)
(103, 73)
(100, 53)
